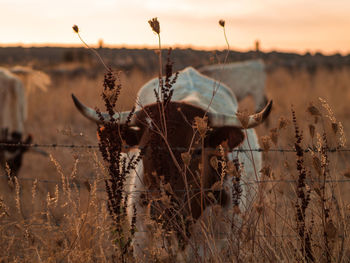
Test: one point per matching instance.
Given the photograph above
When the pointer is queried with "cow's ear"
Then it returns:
(231, 136)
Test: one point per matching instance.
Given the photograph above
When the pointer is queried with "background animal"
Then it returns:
(246, 78)
(15, 85)
(166, 130)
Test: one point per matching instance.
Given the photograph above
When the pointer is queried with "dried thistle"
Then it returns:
(282, 123)
(313, 110)
(186, 158)
(232, 169)
(266, 171)
(214, 162)
(274, 136)
(201, 125)
(154, 23)
(303, 196)
(76, 29)
(265, 140)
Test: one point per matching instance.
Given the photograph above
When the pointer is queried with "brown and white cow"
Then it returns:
(174, 193)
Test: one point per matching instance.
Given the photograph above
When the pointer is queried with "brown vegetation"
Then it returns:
(57, 210)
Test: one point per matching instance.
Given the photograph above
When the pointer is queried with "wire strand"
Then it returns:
(87, 146)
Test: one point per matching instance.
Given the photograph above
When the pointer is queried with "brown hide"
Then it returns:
(159, 165)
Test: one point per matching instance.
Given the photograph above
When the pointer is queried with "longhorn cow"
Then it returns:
(245, 78)
(165, 177)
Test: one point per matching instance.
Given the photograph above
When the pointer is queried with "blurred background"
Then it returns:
(298, 26)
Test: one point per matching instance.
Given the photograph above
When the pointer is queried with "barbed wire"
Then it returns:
(51, 145)
(88, 146)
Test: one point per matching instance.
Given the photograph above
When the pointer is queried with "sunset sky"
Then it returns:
(298, 25)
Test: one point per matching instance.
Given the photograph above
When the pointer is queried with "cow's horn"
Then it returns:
(220, 120)
(92, 114)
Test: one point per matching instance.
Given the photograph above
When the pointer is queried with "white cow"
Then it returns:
(160, 179)
(13, 111)
(245, 78)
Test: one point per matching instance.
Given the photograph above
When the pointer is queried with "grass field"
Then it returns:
(49, 221)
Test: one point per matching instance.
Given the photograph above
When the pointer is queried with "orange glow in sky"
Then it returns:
(298, 25)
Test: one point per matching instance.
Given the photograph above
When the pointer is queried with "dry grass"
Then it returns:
(57, 221)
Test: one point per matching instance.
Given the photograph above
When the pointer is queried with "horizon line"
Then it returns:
(177, 46)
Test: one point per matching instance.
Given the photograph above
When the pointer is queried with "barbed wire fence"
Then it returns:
(92, 146)
(80, 184)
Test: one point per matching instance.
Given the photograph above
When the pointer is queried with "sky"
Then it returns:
(285, 25)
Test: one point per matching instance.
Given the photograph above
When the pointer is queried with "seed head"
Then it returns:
(313, 110)
(186, 158)
(282, 123)
(201, 125)
(274, 136)
(154, 23)
(266, 171)
(214, 162)
(76, 29)
(222, 22)
(266, 143)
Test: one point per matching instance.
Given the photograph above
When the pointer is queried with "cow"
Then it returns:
(15, 84)
(245, 78)
(167, 133)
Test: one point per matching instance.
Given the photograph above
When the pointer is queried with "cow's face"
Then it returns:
(11, 157)
(168, 142)
(170, 135)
